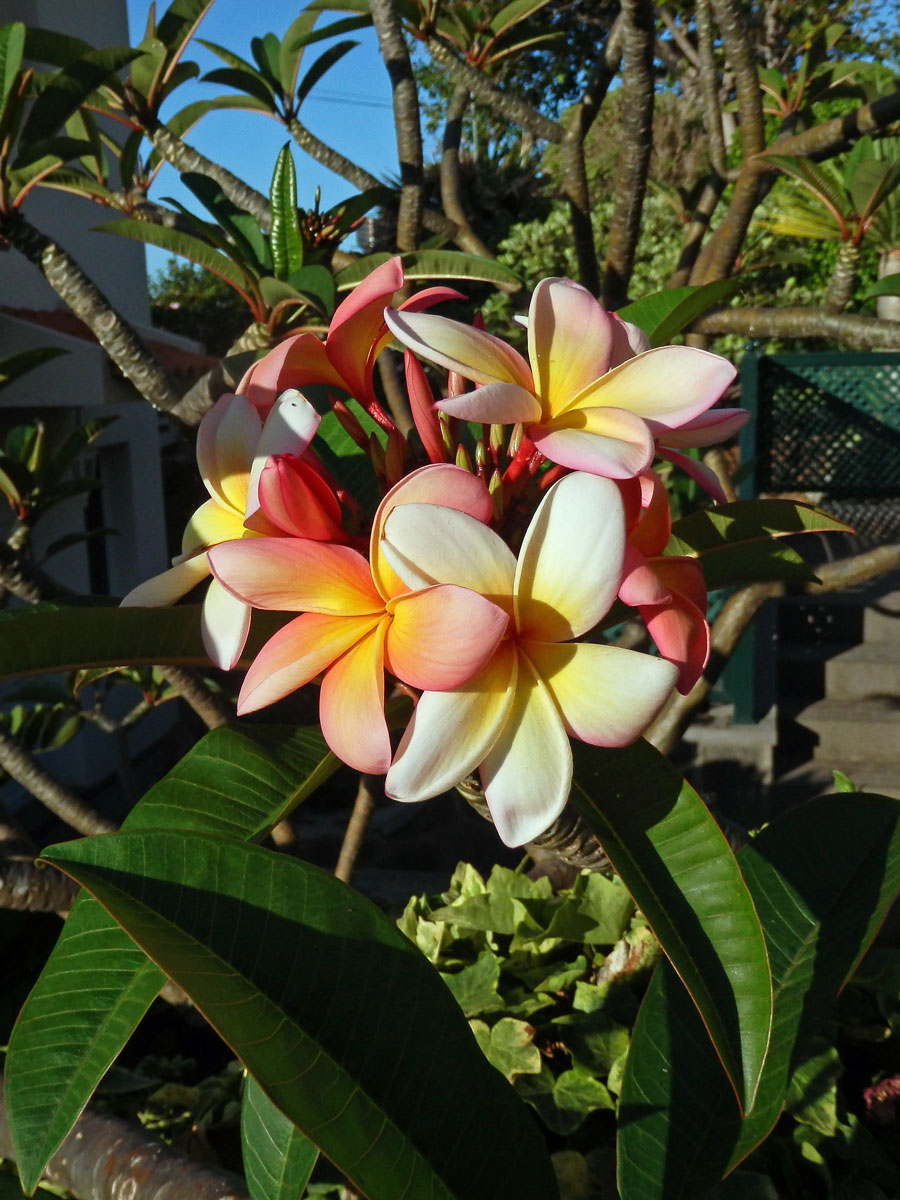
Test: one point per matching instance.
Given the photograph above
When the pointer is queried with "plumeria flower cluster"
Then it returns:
(486, 576)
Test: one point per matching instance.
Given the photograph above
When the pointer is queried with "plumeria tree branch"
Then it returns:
(24, 769)
(89, 304)
(634, 150)
(451, 194)
(211, 708)
(407, 126)
(737, 613)
(861, 333)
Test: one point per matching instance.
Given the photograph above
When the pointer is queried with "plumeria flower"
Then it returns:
(513, 720)
(358, 619)
(577, 406)
(667, 590)
(233, 446)
(346, 359)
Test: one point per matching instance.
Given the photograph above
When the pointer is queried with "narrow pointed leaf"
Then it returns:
(177, 24)
(737, 543)
(97, 984)
(322, 66)
(179, 123)
(284, 239)
(49, 637)
(679, 869)
(329, 1006)
(70, 87)
(666, 313)
(14, 365)
(429, 264)
(278, 1159)
(244, 80)
(823, 878)
(12, 48)
(179, 243)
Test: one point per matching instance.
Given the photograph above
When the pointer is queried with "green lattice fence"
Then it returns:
(829, 425)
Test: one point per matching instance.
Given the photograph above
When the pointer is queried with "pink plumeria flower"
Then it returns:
(359, 618)
(577, 408)
(513, 720)
(233, 445)
(346, 359)
(667, 590)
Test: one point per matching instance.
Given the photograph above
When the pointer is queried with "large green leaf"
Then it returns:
(822, 877)
(180, 243)
(666, 313)
(12, 366)
(69, 88)
(278, 1159)
(12, 48)
(285, 240)
(48, 637)
(888, 286)
(177, 24)
(430, 264)
(736, 543)
(97, 984)
(340, 1019)
(679, 869)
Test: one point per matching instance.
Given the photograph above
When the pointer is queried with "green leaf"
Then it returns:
(321, 67)
(49, 637)
(97, 984)
(240, 227)
(13, 366)
(676, 863)
(12, 48)
(177, 24)
(179, 243)
(735, 543)
(509, 1046)
(69, 88)
(285, 240)
(317, 282)
(564, 1102)
(666, 313)
(244, 80)
(430, 264)
(822, 878)
(338, 1048)
(147, 69)
(187, 117)
(278, 1159)
(888, 286)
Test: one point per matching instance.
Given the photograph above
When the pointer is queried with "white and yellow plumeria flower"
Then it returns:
(233, 445)
(512, 721)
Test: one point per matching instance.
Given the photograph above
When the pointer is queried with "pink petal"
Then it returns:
(607, 695)
(655, 525)
(669, 385)
(421, 300)
(601, 441)
(421, 403)
(169, 586)
(296, 500)
(224, 625)
(294, 362)
(296, 575)
(298, 653)
(441, 483)
(640, 583)
(471, 352)
(569, 341)
(527, 773)
(570, 564)
(495, 404)
(628, 340)
(681, 634)
(682, 575)
(427, 544)
(708, 429)
(290, 427)
(698, 471)
(351, 705)
(451, 732)
(442, 636)
(226, 443)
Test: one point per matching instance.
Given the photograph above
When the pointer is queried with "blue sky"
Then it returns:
(349, 108)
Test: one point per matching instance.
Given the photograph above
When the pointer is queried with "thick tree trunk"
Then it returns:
(89, 304)
(860, 333)
(407, 127)
(843, 278)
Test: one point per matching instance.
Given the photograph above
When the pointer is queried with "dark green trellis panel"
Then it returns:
(827, 425)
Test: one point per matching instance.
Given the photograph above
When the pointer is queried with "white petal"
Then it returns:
(224, 624)
(527, 774)
(570, 564)
(290, 427)
(169, 586)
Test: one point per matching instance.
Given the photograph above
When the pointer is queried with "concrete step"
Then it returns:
(881, 619)
(840, 672)
(817, 779)
(866, 731)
